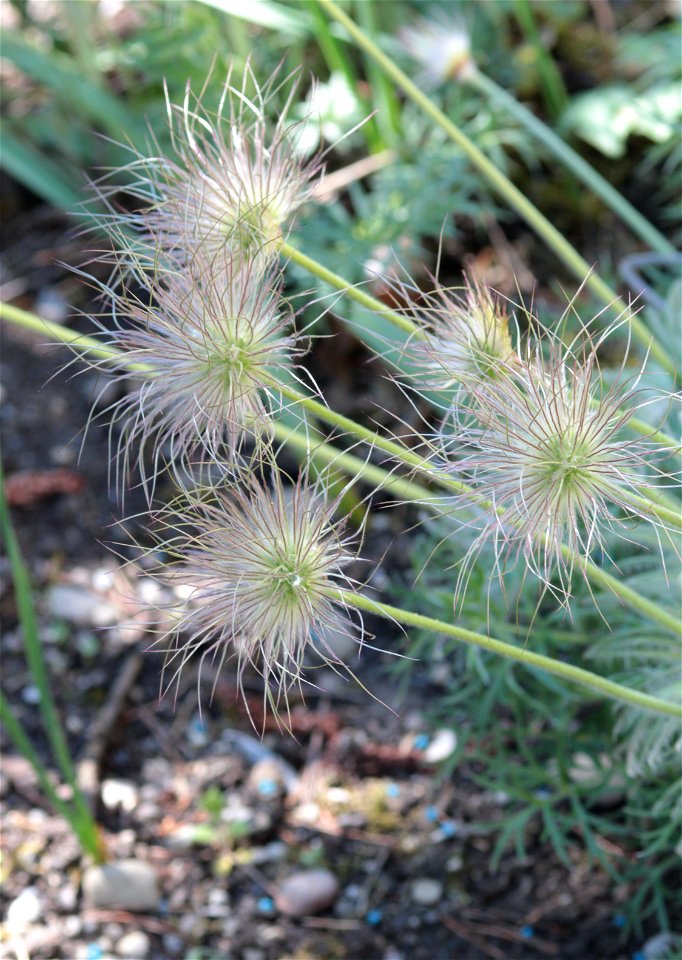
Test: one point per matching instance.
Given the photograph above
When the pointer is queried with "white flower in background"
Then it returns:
(442, 47)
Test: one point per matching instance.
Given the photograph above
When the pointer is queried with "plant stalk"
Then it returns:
(572, 160)
(607, 688)
(408, 326)
(516, 199)
(402, 454)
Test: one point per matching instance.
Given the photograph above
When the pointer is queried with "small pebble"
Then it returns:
(123, 884)
(527, 932)
(134, 945)
(392, 791)
(26, 909)
(119, 794)
(662, 945)
(421, 741)
(431, 814)
(374, 917)
(31, 694)
(449, 829)
(442, 745)
(265, 905)
(306, 892)
(79, 605)
(426, 891)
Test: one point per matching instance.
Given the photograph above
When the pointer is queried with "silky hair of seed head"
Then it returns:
(235, 178)
(462, 335)
(208, 346)
(259, 560)
(545, 444)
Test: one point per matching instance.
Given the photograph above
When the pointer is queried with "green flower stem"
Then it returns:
(348, 289)
(407, 325)
(79, 340)
(411, 459)
(355, 466)
(607, 688)
(516, 199)
(669, 516)
(584, 171)
(397, 452)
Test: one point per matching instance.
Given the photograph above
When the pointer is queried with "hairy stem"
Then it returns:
(408, 326)
(607, 688)
(505, 188)
(395, 451)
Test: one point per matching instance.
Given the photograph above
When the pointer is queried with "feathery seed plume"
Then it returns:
(260, 561)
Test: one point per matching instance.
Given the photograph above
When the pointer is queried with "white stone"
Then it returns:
(134, 945)
(426, 891)
(79, 605)
(121, 794)
(126, 884)
(306, 892)
(442, 745)
(26, 909)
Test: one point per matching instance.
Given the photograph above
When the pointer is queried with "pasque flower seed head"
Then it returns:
(544, 444)
(236, 178)
(209, 344)
(260, 560)
(463, 337)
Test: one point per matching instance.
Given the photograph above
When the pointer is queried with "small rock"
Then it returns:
(31, 694)
(306, 892)
(26, 909)
(426, 891)
(270, 853)
(134, 945)
(454, 864)
(79, 605)
(442, 745)
(126, 884)
(266, 779)
(664, 944)
(119, 794)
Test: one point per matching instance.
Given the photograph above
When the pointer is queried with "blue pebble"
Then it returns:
(93, 952)
(374, 917)
(265, 905)
(527, 933)
(619, 921)
(392, 790)
(640, 955)
(543, 793)
(421, 741)
(267, 787)
(431, 814)
(449, 829)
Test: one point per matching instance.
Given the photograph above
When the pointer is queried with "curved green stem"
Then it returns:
(584, 171)
(397, 452)
(408, 326)
(505, 188)
(607, 688)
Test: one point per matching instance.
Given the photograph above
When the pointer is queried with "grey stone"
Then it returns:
(306, 892)
(442, 745)
(426, 891)
(134, 945)
(26, 909)
(126, 884)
